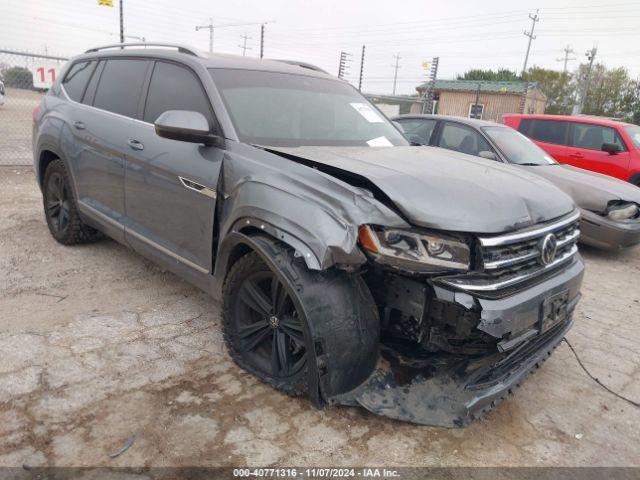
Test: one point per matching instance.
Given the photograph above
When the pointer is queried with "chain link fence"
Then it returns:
(24, 79)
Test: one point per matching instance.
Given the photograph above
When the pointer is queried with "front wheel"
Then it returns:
(265, 332)
(299, 330)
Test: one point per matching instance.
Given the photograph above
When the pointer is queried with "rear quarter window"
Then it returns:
(76, 79)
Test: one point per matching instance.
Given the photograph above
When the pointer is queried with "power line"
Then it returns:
(534, 19)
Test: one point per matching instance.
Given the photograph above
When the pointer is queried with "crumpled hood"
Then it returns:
(590, 190)
(446, 190)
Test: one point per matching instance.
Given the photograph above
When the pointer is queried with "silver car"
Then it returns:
(610, 208)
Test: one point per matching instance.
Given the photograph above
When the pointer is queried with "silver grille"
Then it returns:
(507, 260)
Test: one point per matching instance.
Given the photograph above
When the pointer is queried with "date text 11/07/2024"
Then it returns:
(315, 473)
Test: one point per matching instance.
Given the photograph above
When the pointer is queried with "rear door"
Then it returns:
(550, 135)
(101, 126)
(585, 150)
(170, 186)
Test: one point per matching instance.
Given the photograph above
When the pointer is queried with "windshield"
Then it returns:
(634, 133)
(279, 109)
(517, 148)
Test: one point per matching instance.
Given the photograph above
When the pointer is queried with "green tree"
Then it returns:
(17, 77)
(501, 75)
(611, 92)
(556, 86)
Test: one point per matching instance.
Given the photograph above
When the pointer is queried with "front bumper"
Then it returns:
(601, 232)
(451, 390)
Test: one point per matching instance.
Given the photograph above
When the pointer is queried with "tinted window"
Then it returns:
(548, 131)
(120, 86)
(90, 92)
(591, 137)
(175, 88)
(76, 79)
(462, 139)
(421, 128)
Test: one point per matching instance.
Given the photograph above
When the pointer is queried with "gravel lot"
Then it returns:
(97, 344)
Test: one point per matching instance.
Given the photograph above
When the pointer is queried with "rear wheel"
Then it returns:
(60, 208)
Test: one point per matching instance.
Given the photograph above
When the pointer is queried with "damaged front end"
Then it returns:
(457, 339)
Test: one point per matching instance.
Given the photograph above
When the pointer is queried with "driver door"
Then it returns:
(585, 150)
(170, 185)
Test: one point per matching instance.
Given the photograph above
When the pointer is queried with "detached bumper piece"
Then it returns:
(451, 391)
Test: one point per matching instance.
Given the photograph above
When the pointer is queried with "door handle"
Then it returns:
(135, 144)
(79, 125)
(576, 155)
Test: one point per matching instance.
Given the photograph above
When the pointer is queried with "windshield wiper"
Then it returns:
(530, 164)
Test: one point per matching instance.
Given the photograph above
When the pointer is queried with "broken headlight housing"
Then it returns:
(414, 251)
(622, 211)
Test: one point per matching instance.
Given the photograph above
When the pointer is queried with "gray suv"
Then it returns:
(420, 283)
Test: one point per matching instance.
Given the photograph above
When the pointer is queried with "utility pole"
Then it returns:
(262, 40)
(210, 28)
(121, 22)
(342, 66)
(395, 72)
(534, 19)
(244, 44)
(567, 51)
(591, 56)
(361, 69)
(428, 98)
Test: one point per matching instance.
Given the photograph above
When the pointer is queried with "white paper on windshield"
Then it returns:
(367, 112)
(379, 142)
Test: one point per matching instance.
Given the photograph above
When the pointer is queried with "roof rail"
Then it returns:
(180, 48)
(301, 64)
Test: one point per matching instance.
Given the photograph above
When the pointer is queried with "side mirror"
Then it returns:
(185, 126)
(488, 155)
(611, 148)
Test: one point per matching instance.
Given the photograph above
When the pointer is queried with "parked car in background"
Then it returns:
(610, 207)
(592, 143)
(2, 93)
(282, 191)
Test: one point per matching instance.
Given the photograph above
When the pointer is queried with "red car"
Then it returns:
(593, 143)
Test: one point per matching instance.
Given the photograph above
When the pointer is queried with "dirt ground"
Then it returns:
(97, 345)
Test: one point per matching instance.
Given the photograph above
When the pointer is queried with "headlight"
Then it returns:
(622, 211)
(413, 251)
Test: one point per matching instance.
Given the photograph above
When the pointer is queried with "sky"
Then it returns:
(464, 34)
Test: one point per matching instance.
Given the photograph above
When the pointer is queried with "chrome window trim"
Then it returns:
(526, 235)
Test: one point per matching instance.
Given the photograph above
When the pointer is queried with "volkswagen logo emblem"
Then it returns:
(548, 248)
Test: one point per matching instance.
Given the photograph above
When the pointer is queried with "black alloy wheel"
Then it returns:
(269, 331)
